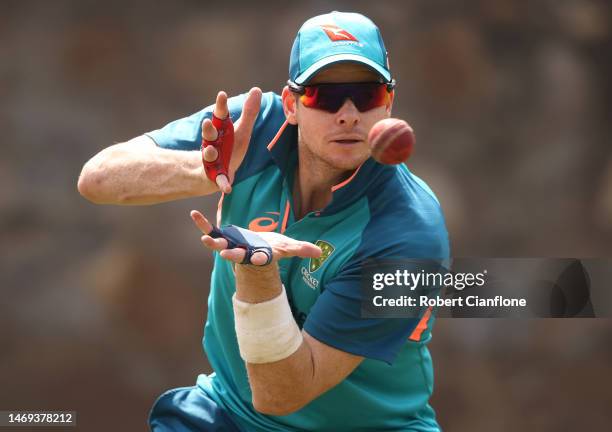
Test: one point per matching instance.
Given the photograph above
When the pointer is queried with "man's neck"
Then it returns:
(313, 182)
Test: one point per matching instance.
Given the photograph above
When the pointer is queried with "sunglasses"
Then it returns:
(331, 97)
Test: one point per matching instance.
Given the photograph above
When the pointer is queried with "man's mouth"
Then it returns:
(347, 141)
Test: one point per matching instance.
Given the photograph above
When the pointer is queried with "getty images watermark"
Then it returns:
(487, 287)
(430, 282)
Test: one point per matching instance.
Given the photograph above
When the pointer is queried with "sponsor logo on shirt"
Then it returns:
(265, 223)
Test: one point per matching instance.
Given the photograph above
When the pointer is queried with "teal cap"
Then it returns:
(337, 37)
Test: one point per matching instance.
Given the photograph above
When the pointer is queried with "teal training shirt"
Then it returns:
(380, 212)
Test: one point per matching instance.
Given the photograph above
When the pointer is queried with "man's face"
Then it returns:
(339, 139)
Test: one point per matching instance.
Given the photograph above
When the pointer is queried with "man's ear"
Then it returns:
(289, 105)
(390, 104)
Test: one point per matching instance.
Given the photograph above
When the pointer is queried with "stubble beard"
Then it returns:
(324, 165)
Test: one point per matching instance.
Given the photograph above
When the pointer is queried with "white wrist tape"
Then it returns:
(266, 331)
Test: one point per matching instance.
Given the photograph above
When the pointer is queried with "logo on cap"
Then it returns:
(336, 34)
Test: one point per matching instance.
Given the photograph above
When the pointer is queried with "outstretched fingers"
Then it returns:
(206, 227)
(221, 111)
(250, 111)
(303, 249)
(285, 247)
(223, 183)
(209, 132)
(259, 258)
(201, 222)
(217, 244)
(282, 246)
(237, 256)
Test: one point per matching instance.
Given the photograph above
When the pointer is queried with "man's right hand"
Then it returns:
(139, 172)
(242, 133)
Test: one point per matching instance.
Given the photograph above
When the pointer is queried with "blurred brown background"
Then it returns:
(103, 307)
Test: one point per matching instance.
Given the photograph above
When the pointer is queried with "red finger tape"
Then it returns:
(224, 145)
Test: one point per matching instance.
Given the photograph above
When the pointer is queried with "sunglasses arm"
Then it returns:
(296, 88)
(300, 89)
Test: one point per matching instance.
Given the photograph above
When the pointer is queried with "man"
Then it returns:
(284, 333)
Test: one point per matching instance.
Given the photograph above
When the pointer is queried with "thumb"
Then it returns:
(250, 111)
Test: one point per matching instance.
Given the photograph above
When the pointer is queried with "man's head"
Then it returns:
(339, 86)
(337, 37)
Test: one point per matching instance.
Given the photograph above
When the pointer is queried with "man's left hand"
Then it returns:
(282, 246)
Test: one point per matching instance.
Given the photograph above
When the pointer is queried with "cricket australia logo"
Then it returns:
(316, 263)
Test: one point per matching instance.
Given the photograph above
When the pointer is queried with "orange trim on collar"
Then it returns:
(278, 134)
(347, 181)
(285, 217)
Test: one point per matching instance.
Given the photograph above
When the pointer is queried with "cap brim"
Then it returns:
(316, 67)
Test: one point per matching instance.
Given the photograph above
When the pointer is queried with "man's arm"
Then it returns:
(284, 386)
(139, 172)
(287, 385)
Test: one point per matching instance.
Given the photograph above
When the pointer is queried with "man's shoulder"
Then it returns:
(407, 217)
(271, 108)
(404, 195)
(185, 133)
(271, 115)
(267, 126)
(271, 98)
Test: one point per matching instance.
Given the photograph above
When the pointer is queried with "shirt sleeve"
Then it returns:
(186, 133)
(336, 319)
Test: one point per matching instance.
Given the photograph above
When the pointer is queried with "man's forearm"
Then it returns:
(256, 284)
(138, 172)
(282, 386)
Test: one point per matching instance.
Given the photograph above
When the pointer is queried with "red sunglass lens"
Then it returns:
(330, 97)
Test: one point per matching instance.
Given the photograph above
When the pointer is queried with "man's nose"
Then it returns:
(348, 114)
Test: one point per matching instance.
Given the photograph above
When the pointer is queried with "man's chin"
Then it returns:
(347, 163)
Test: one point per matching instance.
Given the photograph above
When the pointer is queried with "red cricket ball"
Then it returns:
(391, 141)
